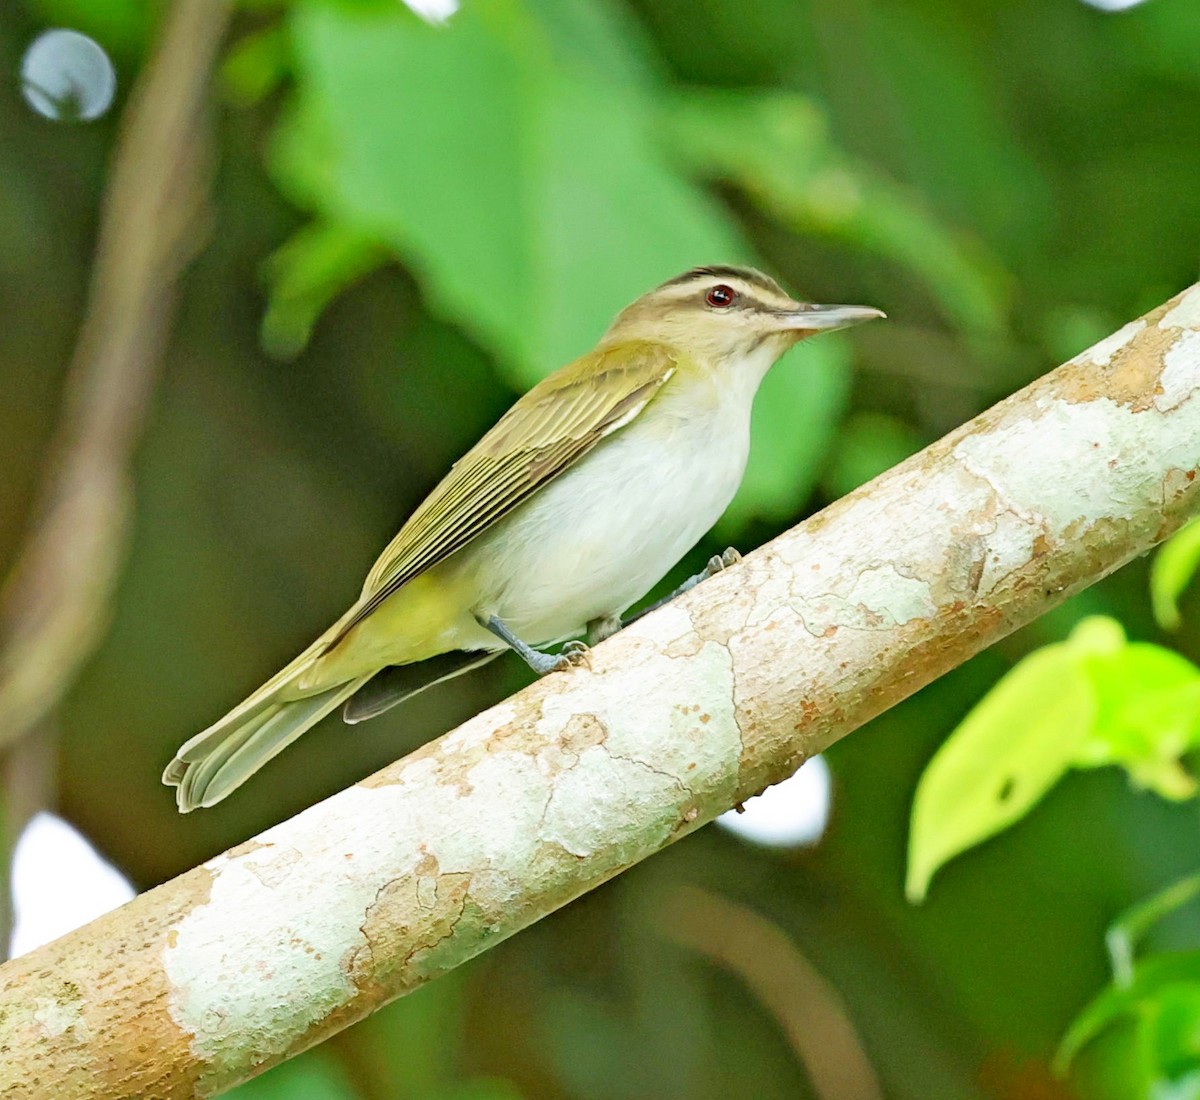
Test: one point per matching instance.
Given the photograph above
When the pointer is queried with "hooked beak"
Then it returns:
(809, 318)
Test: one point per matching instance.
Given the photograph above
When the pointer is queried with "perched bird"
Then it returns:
(584, 494)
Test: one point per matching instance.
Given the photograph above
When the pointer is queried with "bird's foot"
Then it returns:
(718, 562)
(572, 655)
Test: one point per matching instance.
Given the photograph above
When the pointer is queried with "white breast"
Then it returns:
(597, 538)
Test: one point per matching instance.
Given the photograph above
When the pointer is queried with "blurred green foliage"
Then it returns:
(1174, 567)
(1158, 998)
(414, 222)
(1092, 700)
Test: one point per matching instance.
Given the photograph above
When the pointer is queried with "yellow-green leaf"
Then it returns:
(1171, 572)
(1011, 749)
(1158, 977)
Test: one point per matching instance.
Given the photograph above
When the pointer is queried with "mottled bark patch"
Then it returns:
(686, 645)
(1126, 367)
(66, 1010)
(247, 847)
(409, 915)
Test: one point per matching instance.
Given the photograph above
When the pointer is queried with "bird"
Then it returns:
(565, 514)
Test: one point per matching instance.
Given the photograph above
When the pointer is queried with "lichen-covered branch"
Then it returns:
(284, 940)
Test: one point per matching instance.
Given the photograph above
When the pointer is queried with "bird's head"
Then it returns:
(728, 313)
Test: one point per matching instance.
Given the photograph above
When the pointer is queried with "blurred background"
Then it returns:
(266, 270)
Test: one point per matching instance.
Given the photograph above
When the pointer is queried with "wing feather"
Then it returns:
(549, 429)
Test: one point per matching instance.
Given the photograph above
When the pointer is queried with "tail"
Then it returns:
(221, 758)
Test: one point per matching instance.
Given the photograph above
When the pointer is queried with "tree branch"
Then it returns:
(290, 937)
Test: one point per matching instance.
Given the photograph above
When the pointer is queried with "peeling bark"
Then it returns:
(282, 941)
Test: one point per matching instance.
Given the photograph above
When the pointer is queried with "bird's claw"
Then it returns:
(721, 561)
(573, 655)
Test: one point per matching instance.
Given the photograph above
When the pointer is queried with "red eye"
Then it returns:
(719, 297)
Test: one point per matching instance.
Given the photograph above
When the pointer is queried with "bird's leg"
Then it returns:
(604, 627)
(715, 564)
(573, 653)
(608, 625)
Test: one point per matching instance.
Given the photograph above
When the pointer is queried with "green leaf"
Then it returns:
(1124, 932)
(1161, 994)
(525, 188)
(595, 40)
(1093, 700)
(1171, 572)
(1131, 671)
(1151, 979)
(305, 274)
(1148, 715)
(1097, 636)
(1171, 1041)
(1149, 735)
(1011, 748)
(254, 66)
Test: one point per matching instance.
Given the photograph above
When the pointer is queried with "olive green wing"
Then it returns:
(548, 430)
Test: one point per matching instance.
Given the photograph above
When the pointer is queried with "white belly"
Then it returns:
(600, 536)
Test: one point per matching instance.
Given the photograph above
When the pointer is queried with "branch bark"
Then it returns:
(280, 942)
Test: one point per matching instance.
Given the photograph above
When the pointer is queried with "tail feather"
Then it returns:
(196, 765)
(219, 760)
(210, 740)
(396, 683)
